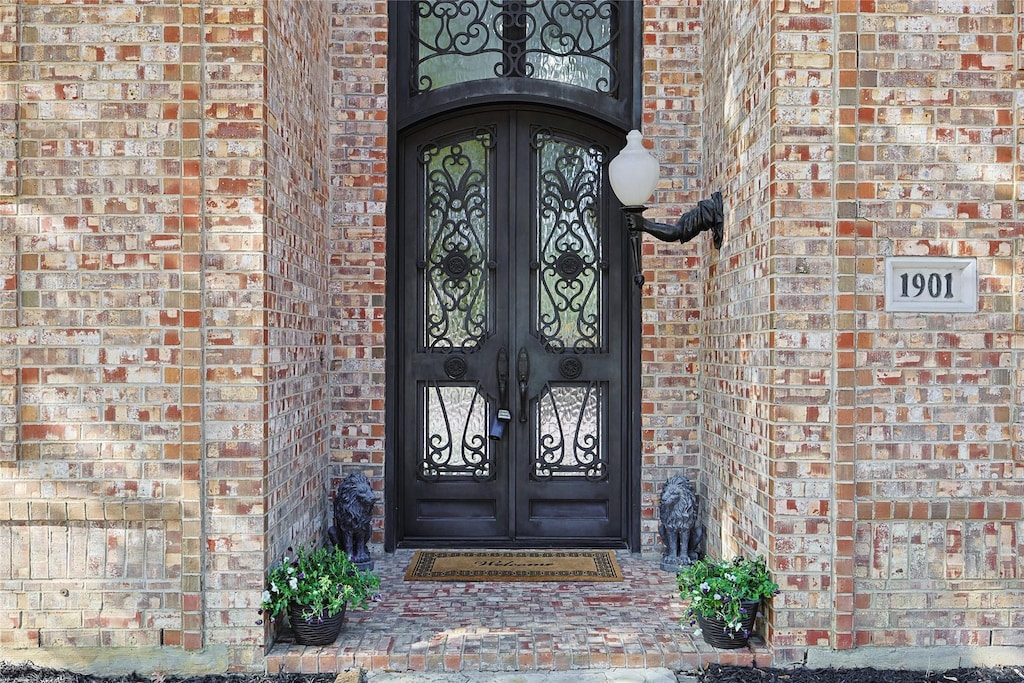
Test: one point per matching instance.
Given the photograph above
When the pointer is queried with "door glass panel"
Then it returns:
(569, 438)
(457, 288)
(569, 281)
(572, 43)
(455, 437)
(567, 41)
(457, 42)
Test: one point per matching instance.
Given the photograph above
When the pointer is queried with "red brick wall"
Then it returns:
(298, 256)
(736, 336)
(673, 299)
(164, 317)
(358, 151)
(882, 450)
(805, 330)
(9, 76)
(936, 398)
(98, 524)
(236, 294)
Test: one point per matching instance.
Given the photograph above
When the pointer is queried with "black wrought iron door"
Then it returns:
(513, 418)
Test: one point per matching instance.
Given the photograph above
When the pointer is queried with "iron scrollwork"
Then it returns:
(456, 253)
(570, 262)
(456, 445)
(456, 367)
(570, 435)
(569, 41)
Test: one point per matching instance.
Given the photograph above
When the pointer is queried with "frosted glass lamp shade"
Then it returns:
(634, 172)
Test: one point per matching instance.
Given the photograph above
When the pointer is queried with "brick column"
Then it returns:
(191, 379)
(358, 152)
(848, 229)
(938, 522)
(9, 77)
(234, 282)
(673, 299)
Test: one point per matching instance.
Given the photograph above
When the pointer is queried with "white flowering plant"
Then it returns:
(718, 589)
(321, 581)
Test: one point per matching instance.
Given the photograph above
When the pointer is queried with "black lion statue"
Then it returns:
(353, 511)
(680, 527)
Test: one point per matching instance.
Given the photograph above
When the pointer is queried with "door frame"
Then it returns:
(622, 113)
(611, 362)
(629, 295)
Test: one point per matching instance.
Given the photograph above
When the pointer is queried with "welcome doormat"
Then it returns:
(514, 565)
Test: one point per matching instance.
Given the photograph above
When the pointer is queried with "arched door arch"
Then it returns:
(511, 316)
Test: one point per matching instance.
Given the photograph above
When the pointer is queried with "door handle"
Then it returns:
(523, 375)
(498, 424)
(502, 369)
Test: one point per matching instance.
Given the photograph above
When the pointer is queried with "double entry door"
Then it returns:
(513, 418)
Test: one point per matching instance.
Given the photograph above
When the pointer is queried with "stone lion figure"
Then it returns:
(353, 511)
(680, 527)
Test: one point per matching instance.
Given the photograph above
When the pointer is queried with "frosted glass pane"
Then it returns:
(570, 430)
(455, 433)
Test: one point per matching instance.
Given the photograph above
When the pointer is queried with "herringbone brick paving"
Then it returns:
(541, 626)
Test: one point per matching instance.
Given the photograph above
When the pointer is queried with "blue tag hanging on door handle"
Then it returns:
(498, 424)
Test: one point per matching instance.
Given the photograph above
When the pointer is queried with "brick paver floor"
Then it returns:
(529, 626)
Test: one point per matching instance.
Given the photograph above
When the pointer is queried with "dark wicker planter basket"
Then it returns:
(715, 634)
(314, 631)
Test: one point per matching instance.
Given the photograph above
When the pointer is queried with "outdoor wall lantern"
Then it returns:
(634, 176)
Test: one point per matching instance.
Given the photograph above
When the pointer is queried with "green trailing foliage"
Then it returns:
(718, 589)
(322, 581)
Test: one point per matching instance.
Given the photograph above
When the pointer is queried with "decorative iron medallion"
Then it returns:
(570, 367)
(569, 266)
(455, 367)
(457, 265)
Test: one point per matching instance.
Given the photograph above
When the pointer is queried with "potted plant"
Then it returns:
(724, 596)
(314, 587)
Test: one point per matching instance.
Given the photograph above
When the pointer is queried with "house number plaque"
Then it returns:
(927, 284)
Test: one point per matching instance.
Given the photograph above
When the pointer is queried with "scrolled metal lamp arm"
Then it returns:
(633, 175)
(707, 215)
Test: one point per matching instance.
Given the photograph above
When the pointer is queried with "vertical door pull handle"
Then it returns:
(503, 412)
(523, 375)
(503, 415)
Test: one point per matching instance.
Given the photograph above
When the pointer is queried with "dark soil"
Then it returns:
(30, 673)
(738, 674)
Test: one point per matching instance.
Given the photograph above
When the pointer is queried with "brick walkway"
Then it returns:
(435, 627)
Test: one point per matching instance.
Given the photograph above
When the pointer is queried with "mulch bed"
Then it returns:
(738, 674)
(30, 673)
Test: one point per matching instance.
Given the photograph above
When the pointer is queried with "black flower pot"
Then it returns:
(716, 635)
(315, 630)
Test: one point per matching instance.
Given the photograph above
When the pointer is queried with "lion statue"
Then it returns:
(680, 527)
(353, 511)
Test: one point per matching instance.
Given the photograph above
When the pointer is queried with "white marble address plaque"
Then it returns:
(931, 284)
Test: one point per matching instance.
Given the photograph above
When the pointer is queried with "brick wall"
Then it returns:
(803, 470)
(298, 256)
(939, 480)
(265, 170)
(673, 299)
(358, 157)
(94, 520)
(164, 317)
(192, 320)
(236, 296)
(881, 450)
(9, 76)
(736, 430)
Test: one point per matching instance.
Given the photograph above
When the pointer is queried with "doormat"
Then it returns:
(514, 565)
